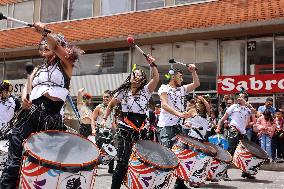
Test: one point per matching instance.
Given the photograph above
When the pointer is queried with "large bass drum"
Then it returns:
(249, 157)
(151, 166)
(220, 163)
(195, 159)
(54, 159)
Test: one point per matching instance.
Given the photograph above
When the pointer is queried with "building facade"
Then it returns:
(224, 38)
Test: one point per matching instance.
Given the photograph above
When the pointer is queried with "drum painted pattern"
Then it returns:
(246, 161)
(194, 165)
(36, 176)
(141, 176)
(217, 170)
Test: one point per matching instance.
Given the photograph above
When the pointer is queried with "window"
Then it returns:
(3, 23)
(102, 63)
(50, 10)
(206, 62)
(178, 2)
(279, 54)
(149, 4)
(259, 56)
(114, 6)
(23, 11)
(80, 9)
(232, 56)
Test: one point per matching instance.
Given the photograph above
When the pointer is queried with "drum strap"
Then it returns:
(131, 124)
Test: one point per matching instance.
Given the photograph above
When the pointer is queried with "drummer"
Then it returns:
(84, 101)
(198, 114)
(98, 115)
(8, 106)
(239, 114)
(134, 95)
(173, 112)
(50, 84)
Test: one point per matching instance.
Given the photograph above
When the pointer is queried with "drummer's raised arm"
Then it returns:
(190, 87)
(222, 120)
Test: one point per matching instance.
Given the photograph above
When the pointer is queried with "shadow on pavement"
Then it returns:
(254, 181)
(218, 186)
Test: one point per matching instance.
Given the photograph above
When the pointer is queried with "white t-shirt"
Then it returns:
(199, 123)
(239, 116)
(135, 104)
(7, 109)
(176, 100)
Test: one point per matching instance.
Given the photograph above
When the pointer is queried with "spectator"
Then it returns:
(267, 105)
(265, 127)
(279, 134)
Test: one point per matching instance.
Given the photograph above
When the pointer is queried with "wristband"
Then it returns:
(153, 65)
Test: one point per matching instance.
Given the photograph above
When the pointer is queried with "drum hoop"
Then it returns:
(241, 142)
(41, 161)
(202, 150)
(226, 151)
(154, 164)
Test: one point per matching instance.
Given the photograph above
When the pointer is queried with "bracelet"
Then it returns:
(104, 118)
(153, 65)
(44, 34)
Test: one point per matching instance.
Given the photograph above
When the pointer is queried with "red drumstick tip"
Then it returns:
(130, 40)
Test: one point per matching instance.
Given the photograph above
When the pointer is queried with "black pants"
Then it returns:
(124, 140)
(29, 121)
(85, 130)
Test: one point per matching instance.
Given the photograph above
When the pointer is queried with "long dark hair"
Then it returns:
(126, 85)
(267, 115)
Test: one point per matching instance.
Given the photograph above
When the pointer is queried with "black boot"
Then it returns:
(248, 176)
(180, 184)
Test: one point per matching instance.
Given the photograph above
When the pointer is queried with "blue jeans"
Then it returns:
(265, 143)
(249, 133)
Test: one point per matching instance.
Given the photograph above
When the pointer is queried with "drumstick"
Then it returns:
(29, 70)
(173, 61)
(20, 22)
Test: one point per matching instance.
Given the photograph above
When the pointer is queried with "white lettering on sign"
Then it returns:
(265, 83)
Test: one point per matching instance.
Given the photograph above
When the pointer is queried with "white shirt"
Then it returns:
(199, 123)
(239, 116)
(7, 109)
(176, 100)
(135, 104)
(49, 80)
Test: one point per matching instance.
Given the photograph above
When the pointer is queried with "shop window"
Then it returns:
(75, 9)
(51, 10)
(102, 63)
(21, 13)
(178, 2)
(149, 4)
(206, 62)
(3, 23)
(279, 54)
(259, 56)
(232, 56)
(113, 6)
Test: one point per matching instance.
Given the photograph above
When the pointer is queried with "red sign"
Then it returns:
(253, 84)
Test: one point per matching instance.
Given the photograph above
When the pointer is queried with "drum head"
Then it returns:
(197, 145)
(254, 149)
(156, 154)
(61, 150)
(222, 155)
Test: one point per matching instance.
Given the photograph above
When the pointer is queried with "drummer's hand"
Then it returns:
(94, 133)
(218, 130)
(150, 59)
(39, 27)
(103, 123)
(26, 104)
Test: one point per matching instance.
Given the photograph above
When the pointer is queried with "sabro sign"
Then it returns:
(253, 84)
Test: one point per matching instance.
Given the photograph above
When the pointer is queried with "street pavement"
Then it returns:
(264, 180)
